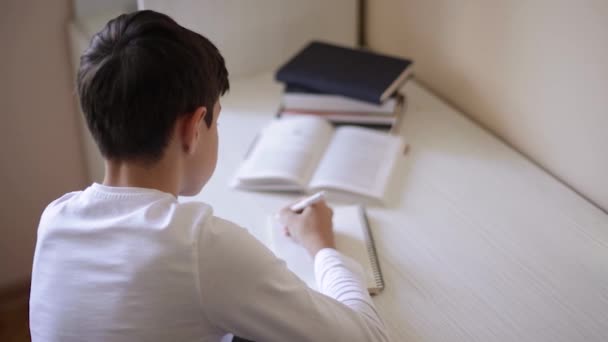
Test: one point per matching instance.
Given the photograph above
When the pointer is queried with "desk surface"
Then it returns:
(476, 243)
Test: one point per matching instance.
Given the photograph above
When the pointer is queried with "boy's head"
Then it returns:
(142, 75)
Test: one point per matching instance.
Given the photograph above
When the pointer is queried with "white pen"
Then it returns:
(301, 205)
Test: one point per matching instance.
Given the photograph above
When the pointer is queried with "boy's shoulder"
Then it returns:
(218, 235)
(194, 218)
(218, 227)
(94, 202)
(215, 233)
(64, 198)
(60, 202)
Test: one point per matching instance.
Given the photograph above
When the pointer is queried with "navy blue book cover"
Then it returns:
(298, 89)
(355, 73)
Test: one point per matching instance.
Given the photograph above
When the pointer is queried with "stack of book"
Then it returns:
(344, 85)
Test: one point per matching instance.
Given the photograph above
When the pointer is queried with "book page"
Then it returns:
(287, 151)
(358, 160)
(335, 103)
(349, 229)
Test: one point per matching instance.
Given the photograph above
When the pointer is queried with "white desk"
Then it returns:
(476, 243)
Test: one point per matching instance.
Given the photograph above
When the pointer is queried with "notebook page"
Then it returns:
(349, 231)
(358, 160)
(286, 149)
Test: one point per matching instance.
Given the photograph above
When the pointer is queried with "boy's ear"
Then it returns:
(191, 129)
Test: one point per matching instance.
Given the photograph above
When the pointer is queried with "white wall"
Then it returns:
(256, 36)
(87, 8)
(40, 149)
(534, 72)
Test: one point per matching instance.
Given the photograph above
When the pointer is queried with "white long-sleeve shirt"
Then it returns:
(132, 264)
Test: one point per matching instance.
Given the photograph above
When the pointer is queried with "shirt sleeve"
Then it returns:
(341, 278)
(246, 290)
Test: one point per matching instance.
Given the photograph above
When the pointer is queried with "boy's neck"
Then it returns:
(160, 175)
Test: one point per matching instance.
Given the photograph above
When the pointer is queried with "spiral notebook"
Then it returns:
(353, 238)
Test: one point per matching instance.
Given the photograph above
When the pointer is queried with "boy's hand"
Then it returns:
(312, 228)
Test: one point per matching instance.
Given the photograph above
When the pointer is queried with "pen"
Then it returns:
(301, 205)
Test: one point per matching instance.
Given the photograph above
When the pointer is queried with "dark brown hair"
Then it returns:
(140, 73)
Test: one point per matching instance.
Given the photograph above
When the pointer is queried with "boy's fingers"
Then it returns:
(285, 214)
(320, 205)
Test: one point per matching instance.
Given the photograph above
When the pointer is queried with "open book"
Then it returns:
(353, 239)
(308, 154)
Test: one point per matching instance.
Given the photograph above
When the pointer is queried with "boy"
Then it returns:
(125, 261)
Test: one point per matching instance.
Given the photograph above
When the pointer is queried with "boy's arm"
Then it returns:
(247, 291)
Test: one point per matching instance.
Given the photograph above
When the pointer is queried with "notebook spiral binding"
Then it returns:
(371, 248)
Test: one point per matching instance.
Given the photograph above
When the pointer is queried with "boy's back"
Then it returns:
(124, 264)
(119, 263)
